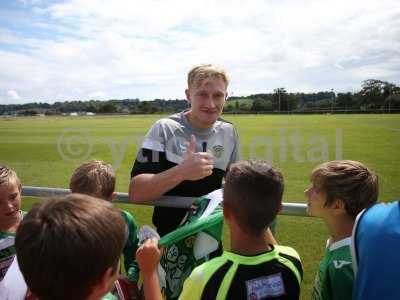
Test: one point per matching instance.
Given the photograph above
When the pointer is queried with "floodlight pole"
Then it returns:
(279, 100)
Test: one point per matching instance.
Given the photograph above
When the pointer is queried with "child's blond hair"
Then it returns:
(8, 176)
(95, 178)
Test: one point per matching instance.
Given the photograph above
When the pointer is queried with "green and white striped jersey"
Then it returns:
(7, 250)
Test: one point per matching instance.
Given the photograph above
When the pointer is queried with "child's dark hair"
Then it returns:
(253, 193)
(65, 245)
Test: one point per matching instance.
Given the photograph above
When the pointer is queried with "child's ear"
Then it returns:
(339, 206)
(280, 208)
(104, 285)
(113, 196)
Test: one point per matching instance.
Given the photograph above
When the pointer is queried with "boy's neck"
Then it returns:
(340, 227)
(245, 244)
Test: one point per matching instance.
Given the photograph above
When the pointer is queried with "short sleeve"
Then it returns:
(193, 285)
(155, 138)
(151, 157)
(235, 157)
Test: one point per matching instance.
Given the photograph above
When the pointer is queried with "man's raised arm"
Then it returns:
(147, 187)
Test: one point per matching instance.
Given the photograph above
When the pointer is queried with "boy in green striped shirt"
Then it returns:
(339, 191)
(97, 179)
(10, 216)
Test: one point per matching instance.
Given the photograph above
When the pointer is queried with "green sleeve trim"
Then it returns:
(194, 285)
(291, 252)
(226, 282)
(7, 234)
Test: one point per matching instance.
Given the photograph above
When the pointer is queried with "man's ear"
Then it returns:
(188, 96)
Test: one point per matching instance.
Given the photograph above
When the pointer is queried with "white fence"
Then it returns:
(292, 209)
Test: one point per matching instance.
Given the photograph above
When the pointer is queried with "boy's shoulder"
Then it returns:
(338, 255)
(340, 248)
(208, 278)
(286, 250)
(229, 258)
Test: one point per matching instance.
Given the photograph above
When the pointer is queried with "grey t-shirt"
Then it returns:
(164, 147)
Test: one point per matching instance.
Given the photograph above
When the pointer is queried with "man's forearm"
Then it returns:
(149, 187)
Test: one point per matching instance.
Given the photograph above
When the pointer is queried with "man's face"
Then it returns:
(10, 201)
(207, 102)
(316, 201)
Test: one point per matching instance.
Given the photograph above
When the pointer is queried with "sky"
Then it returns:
(101, 49)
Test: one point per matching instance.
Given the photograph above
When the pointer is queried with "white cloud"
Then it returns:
(98, 95)
(144, 49)
(10, 97)
(13, 95)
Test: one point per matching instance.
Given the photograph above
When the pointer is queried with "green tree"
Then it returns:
(260, 104)
(372, 93)
(293, 102)
(108, 108)
(345, 101)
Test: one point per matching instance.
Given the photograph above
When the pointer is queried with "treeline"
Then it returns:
(375, 95)
(126, 106)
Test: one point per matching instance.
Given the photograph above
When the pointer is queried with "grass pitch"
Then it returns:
(45, 150)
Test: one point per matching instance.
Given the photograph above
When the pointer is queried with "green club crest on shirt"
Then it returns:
(217, 151)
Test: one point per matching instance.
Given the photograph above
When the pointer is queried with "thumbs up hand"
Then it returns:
(196, 165)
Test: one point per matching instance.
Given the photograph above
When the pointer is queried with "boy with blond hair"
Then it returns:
(339, 190)
(255, 267)
(10, 216)
(188, 153)
(96, 178)
(69, 248)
